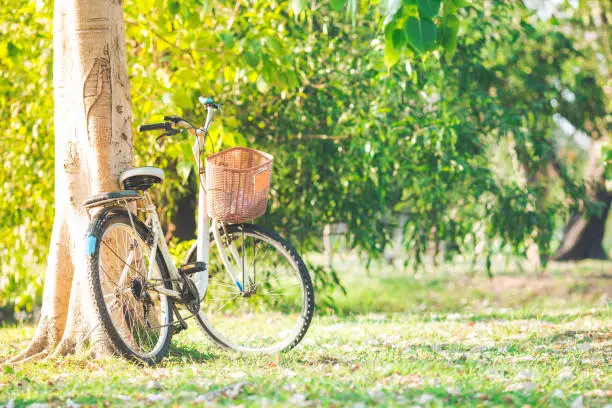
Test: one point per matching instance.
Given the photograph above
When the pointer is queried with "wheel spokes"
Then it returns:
(137, 314)
(268, 310)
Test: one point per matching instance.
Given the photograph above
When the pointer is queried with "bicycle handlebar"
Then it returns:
(211, 106)
(154, 126)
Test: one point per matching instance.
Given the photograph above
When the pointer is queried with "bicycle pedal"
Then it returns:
(180, 325)
(178, 328)
(190, 269)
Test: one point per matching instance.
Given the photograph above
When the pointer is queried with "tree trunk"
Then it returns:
(93, 145)
(583, 237)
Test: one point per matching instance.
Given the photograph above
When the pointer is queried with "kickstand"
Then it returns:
(182, 324)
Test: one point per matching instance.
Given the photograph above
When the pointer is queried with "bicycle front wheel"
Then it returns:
(269, 303)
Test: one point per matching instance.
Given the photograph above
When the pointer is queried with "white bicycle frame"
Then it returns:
(203, 232)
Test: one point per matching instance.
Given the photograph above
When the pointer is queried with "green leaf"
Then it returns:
(9, 370)
(337, 5)
(529, 29)
(173, 7)
(429, 8)
(398, 39)
(292, 79)
(391, 55)
(421, 34)
(12, 50)
(449, 8)
(228, 38)
(461, 3)
(274, 45)
(449, 34)
(251, 59)
(280, 80)
(394, 42)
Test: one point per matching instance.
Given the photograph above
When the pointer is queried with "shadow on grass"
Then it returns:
(184, 353)
(590, 335)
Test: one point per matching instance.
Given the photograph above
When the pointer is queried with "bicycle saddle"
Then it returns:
(141, 178)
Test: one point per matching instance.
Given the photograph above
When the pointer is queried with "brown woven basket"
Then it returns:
(237, 184)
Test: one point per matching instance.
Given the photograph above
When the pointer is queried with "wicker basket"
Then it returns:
(237, 184)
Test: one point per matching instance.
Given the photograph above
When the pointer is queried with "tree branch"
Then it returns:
(160, 37)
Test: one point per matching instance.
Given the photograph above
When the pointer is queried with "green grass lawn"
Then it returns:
(442, 338)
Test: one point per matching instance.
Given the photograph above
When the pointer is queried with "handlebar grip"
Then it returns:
(152, 126)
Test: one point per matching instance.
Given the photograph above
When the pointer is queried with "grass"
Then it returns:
(442, 338)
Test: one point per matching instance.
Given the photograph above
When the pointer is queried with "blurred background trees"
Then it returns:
(483, 125)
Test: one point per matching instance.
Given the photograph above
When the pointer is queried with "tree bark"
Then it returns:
(93, 145)
(583, 237)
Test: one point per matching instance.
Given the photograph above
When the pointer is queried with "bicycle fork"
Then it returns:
(223, 254)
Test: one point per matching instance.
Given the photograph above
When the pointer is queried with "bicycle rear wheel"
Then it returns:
(138, 319)
(269, 306)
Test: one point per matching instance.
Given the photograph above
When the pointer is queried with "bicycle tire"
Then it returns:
(308, 292)
(101, 224)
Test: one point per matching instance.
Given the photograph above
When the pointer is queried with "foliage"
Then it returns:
(437, 109)
(591, 32)
(414, 27)
(26, 178)
(421, 139)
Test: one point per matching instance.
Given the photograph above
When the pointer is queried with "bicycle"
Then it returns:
(255, 295)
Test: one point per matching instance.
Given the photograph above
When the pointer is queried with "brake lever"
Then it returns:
(169, 132)
(158, 138)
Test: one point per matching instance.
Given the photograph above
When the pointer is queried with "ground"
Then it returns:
(436, 338)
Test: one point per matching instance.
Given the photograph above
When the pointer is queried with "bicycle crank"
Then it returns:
(189, 294)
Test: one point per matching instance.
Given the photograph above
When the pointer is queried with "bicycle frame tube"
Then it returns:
(203, 240)
(204, 228)
(159, 244)
(228, 266)
(201, 279)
